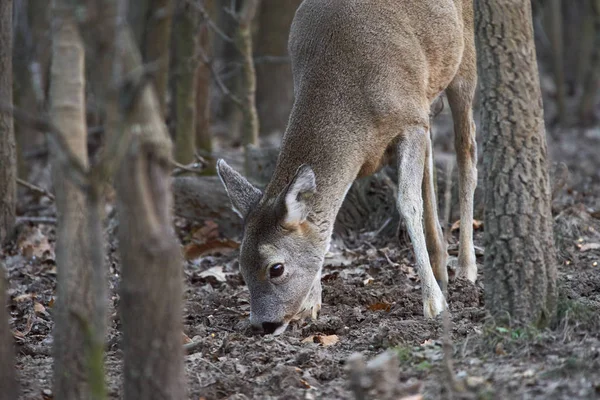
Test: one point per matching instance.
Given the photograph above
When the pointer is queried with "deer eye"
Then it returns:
(276, 270)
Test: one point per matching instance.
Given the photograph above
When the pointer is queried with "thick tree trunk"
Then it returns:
(520, 262)
(74, 294)
(8, 171)
(184, 93)
(274, 85)
(152, 283)
(7, 367)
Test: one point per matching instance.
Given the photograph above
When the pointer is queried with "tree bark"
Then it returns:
(520, 262)
(184, 94)
(74, 303)
(274, 85)
(8, 381)
(151, 25)
(243, 41)
(8, 172)
(203, 134)
(152, 282)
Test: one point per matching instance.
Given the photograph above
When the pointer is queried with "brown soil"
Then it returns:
(372, 303)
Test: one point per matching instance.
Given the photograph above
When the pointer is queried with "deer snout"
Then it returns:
(267, 328)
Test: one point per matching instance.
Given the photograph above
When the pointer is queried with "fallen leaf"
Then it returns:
(38, 308)
(195, 250)
(428, 342)
(500, 349)
(323, 340)
(589, 246)
(380, 307)
(329, 340)
(186, 338)
(215, 272)
(36, 245)
(24, 297)
(208, 231)
(305, 384)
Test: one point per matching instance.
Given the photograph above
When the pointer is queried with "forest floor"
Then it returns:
(371, 303)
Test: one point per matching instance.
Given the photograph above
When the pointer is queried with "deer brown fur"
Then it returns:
(365, 74)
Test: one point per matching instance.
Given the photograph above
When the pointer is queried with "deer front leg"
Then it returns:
(436, 243)
(412, 151)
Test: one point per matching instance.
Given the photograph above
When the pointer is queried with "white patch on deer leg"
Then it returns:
(411, 164)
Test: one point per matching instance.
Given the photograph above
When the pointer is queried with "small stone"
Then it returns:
(529, 373)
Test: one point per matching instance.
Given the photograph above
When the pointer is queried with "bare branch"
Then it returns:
(78, 173)
(35, 188)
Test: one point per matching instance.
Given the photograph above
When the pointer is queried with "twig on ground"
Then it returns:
(36, 220)
(35, 188)
(192, 347)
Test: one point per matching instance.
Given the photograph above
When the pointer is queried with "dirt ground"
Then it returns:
(371, 303)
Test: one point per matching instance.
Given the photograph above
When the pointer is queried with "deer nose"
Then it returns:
(270, 327)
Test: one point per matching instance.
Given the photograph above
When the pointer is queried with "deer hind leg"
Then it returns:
(436, 245)
(412, 156)
(460, 97)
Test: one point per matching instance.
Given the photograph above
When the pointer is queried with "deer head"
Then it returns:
(281, 254)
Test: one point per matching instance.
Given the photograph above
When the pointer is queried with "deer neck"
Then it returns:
(335, 161)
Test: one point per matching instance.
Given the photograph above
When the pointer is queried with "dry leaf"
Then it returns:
(36, 244)
(38, 308)
(215, 272)
(380, 307)
(195, 250)
(329, 340)
(186, 338)
(209, 231)
(500, 349)
(305, 384)
(24, 297)
(323, 340)
(428, 342)
(412, 397)
(589, 246)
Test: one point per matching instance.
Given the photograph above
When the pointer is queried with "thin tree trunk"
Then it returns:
(151, 25)
(184, 96)
(152, 282)
(274, 85)
(203, 134)
(520, 262)
(74, 295)
(8, 171)
(558, 67)
(8, 381)
(243, 41)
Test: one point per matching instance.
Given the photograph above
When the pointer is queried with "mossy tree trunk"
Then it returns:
(152, 282)
(75, 302)
(520, 262)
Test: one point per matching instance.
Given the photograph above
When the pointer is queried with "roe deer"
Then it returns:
(365, 74)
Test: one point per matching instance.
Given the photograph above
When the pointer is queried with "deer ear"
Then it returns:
(297, 197)
(243, 194)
